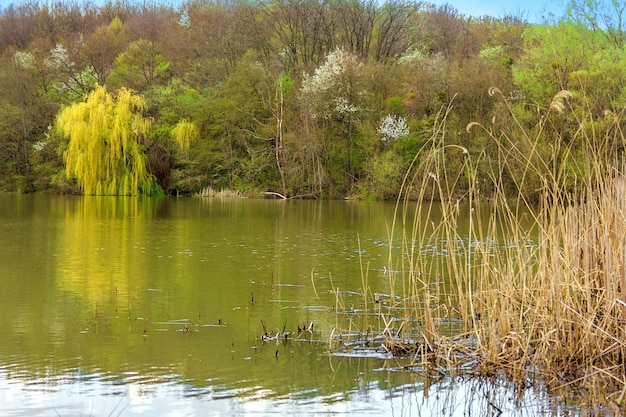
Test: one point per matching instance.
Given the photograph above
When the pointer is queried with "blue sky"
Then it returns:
(532, 10)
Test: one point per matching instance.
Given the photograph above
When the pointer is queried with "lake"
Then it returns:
(114, 306)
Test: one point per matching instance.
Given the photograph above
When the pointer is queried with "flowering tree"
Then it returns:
(331, 96)
(392, 128)
(330, 89)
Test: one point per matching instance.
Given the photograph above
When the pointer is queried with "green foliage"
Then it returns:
(286, 83)
(552, 54)
(105, 152)
(140, 66)
(116, 25)
(395, 105)
(272, 96)
(184, 134)
(385, 172)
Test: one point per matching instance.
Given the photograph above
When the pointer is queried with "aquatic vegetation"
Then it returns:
(545, 308)
(224, 193)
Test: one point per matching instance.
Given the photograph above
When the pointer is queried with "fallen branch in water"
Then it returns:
(275, 194)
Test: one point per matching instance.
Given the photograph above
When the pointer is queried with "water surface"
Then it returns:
(131, 306)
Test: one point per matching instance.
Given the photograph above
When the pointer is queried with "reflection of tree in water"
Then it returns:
(101, 245)
(113, 261)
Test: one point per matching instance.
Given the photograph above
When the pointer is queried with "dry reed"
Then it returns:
(547, 310)
(209, 192)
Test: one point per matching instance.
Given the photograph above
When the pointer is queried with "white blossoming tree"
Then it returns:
(331, 96)
(330, 89)
(392, 128)
(72, 81)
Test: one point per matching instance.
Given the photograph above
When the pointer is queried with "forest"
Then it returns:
(302, 98)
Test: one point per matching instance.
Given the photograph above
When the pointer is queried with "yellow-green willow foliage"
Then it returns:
(184, 134)
(105, 154)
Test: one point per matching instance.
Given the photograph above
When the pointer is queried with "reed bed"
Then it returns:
(209, 192)
(545, 308)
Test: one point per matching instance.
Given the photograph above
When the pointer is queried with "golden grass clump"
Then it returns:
(209, 192)
(533, 291)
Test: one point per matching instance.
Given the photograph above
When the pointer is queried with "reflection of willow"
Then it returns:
(96, 249)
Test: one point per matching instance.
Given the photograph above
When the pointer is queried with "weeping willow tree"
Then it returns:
(105, 154)
(184, 134)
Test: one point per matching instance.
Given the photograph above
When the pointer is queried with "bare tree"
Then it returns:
(394, 24)
(447, 29)
(103, 46)
(212, 40)
(355, 22)
(303, 29)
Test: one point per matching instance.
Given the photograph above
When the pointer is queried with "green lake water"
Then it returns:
(157, 307)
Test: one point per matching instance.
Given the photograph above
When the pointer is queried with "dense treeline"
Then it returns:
(304, 98)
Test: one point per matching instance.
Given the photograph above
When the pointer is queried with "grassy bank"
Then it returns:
(547, 306)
